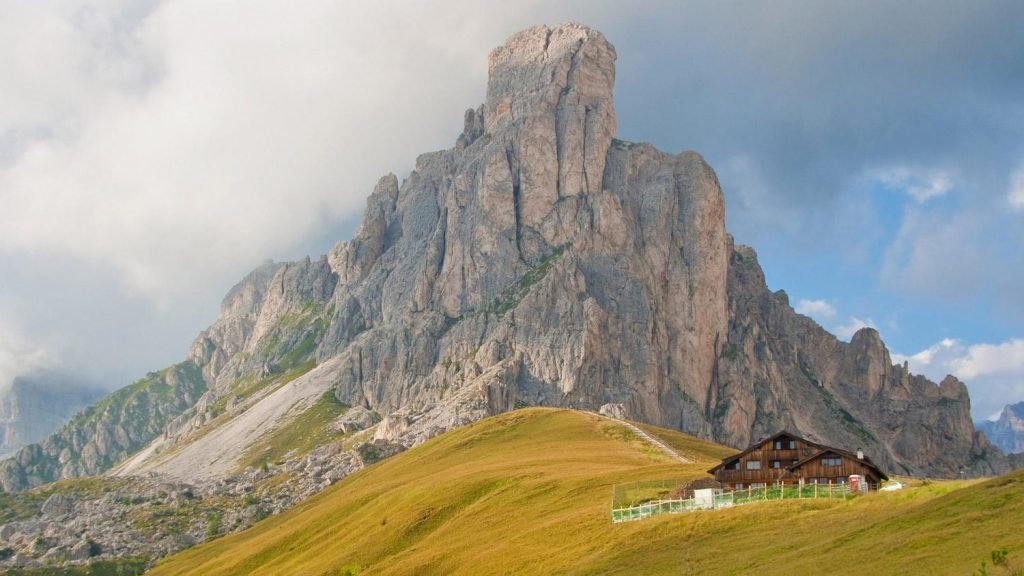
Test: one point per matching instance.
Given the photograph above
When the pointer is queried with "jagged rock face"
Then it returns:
(780, 370)
(32, 407)
(1008, 431)
(542, 262)
(529, 266)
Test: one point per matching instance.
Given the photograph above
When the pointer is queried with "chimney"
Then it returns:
(860, 454)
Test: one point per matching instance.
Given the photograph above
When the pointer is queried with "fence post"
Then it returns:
(830, 489)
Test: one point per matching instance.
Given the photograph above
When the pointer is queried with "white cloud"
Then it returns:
(173, 146)
(817, 309)
(1015, 196)
(994, 373)
(921, 185)
(991, 359)
(937, 355)
(758, 204)
(847, 330)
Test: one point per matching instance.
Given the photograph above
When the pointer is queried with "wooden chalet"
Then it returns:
(789, 458)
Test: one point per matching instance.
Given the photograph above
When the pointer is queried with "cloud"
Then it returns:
(847, 330)
(920, 185)
(817, 309)
(936, 357)
(994, 373)
(1015, 195)
(179, 139)
(18, 356)
(759, 208)
(991, 359)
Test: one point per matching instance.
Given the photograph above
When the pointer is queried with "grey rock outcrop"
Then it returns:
(540, 261)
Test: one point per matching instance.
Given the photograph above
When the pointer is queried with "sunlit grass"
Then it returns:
(529, 493)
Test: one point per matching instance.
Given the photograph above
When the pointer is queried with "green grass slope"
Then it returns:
(528, 493)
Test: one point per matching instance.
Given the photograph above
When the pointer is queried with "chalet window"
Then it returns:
(795, 461)
(738, 486)
(832, 461)
(778, 444)
(841, 480)
(734, 465)
(757, 485)
(822, 480)
(776, 463)
(792, 445)
(753, 464)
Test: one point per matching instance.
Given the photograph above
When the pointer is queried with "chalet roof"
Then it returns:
(764, 441)
(828, 449)
(822, 449)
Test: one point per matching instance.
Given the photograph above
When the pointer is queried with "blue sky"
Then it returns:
(153, 152)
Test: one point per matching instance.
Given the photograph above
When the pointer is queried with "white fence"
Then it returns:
(714, 499)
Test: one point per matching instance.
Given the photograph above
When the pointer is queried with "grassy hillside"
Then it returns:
(528, 493)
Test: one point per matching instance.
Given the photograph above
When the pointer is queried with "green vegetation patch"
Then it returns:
(246, 387)
(302, 434)
(152, 390)
(513, 295)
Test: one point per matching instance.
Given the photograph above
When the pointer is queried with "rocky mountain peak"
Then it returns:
(550, 109)
(539, 261)
(566, 69)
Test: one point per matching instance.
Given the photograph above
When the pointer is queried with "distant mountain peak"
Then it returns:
(1007, 431)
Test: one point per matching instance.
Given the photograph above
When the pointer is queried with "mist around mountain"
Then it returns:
(34, 405)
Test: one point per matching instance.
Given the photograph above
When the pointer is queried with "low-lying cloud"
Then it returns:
(818, 309)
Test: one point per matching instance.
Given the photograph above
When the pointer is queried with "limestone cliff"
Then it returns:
(540, 261)
(780, 370)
